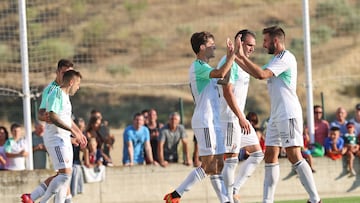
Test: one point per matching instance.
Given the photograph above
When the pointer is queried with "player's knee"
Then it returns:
(212, 168)
(64, 177)
(257, 156)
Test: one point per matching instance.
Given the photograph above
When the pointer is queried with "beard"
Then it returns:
(271, 49)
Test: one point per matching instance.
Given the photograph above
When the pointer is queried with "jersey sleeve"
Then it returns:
(7, 146)
(54, 101)
(277, 66)
(203, 70)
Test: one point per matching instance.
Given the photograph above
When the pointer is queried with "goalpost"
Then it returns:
(25, 78)
(308, 68)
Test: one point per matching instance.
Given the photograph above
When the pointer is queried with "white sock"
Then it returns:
(228, 174)
(38, 192)
(272, 174)
(61, 195)
(55, 186)
(68, 198)
(195, 176)
(218, 184)
(247, 168)
(307, 179)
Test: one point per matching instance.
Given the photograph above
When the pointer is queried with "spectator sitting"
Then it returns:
(340, 120)
(77, 178)
(334, 144)
(16, 149)
(92, 131)
(108, 139)
(136, 140)
(356, 119)
(94, 170)
(321, 125)
(305, 151)
(4, 136)
(154, 127)
(254, 120)
(145, 113)
(351, 147)
(170, 136)
(39, 150)
(92, 155)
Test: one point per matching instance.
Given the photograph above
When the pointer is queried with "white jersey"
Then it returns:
(58, 102)
(282, 87)
(12, 146)
(206, 96)
(240, 81)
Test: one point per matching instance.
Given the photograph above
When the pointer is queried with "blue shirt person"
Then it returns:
(136, 139)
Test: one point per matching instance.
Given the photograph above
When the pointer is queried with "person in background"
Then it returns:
(154, 127)
(136, 141)
(39, 150)
(334, 144)
(93, 156)
(93, 131)
(81, 124)
(351, 147)
(4, 136)
(145, 113)
(321, 125)
(305, 150)
(77, 177)
(356, 119)
(16, 149)
(170, 136)
(108, 139)
(340, 120)
(252, 117)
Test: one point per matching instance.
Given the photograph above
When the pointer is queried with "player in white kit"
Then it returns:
(205, 120)
(286, 123)
(57, 134)
(237, 131)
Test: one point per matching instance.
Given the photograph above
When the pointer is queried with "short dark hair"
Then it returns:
(137, 114)
(200, 38)
(14, 125)
(252, 116)
(5, 132)
(68, 75)
(334, 128)
(65, 63)
(244, 34)
(274, 31)
(317, 106)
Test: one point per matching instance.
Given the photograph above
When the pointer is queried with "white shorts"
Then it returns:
(61, 154)
(210, 141)
(287, 133)
(234, 139)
